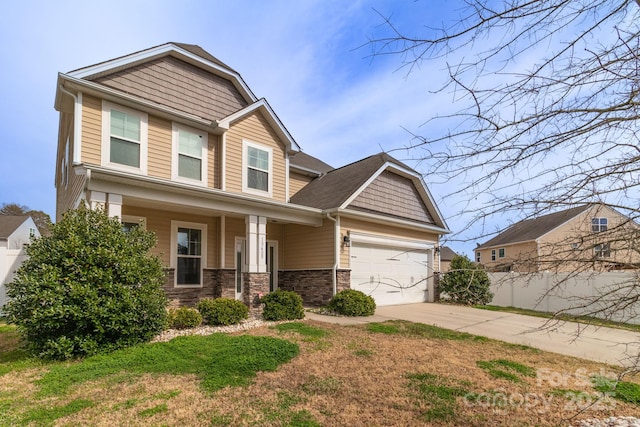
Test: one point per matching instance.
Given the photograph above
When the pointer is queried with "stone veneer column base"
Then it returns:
(314, 286)
(216, 283)
(254, 286)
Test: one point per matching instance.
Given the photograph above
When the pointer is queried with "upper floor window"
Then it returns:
(124, 138)
(257, 169)
(189, 154)
(599, 224)
(501, 253)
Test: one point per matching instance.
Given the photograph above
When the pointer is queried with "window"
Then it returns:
(493, 254)
(501, 253)
(598, 225)
(188, 252)
(477, 256)
(189, 154)
(130, 222)
(256, 174)
(124, 138)
(602, 250)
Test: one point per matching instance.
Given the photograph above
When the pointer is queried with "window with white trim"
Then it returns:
(493, 254)
(124, 138)
(129, 222)
(599, 224)
(257, 169)
(501, 253)
(602, 250)
(478, 256)
(189, 155)
(188, 253)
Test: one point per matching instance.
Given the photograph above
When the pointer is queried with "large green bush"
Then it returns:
(282, 305)
(465, 283)
(88, 288)
(350, 302)
(222, 311)
(184, 318)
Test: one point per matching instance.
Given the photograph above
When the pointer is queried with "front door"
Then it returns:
(272, 264)
(240, 266)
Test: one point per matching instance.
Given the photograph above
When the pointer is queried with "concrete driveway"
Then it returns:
(608, 345)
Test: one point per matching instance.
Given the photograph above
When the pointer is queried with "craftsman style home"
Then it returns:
(172, 139)
(589, 237)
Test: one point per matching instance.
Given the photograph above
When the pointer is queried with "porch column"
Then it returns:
(97, 200)
(114, 207)
(256, 244)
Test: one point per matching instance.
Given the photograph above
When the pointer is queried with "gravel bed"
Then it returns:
(609, 422)
(208, 330)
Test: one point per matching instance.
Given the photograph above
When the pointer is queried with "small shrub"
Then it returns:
(222, 311)
(184, 318)
(466, 283)
(282, 305)
(350, 302)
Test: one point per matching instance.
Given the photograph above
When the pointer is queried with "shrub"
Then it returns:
(466, 283)
(350, 302)
(89, 287)
(222, 311)
(184, 318)
(282, 305)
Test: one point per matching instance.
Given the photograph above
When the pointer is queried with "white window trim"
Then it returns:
(106, 137)
(175, 127)
(245, 164)
(174, 251)
(502, 253)
(135, 219)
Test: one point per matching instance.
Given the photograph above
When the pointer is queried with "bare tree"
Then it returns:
(548, 116)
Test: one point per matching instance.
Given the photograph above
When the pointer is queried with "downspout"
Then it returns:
(77, 123)
(335, 253)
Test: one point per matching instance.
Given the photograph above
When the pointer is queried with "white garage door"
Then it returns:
(391, 275)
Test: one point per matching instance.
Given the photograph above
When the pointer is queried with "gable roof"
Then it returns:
(532, 229)
(336, 189)
(309, 164)
(446, 253)
(10, 223)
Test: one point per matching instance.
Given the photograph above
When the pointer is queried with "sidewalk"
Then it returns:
(601, 344)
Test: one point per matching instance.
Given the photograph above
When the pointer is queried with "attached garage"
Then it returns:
(392, 271)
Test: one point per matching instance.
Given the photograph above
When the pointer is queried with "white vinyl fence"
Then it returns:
(10, 260)
(552, 292)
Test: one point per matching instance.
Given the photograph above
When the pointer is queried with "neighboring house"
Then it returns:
(15, 232)
(446, 255)
(173, 139)
(590, 237)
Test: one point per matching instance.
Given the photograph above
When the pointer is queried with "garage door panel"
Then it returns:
(390, 275)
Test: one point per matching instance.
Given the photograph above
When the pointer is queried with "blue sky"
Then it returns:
(309, 59)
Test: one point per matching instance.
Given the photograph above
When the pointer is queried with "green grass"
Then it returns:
(564, 317)
(12, 356)
(421, 330)
(620, 390)
(302, 329)
(219, 360)
(506, 369)
(439, 393)
(46, 415)
(150, 412)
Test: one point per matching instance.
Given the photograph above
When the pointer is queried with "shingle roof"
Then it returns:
(446, 253)
(334, 188)
(305, 161)
(9, 224)
(531, 229)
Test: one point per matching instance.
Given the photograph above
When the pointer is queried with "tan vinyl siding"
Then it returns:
(66, 197)
(395, 195)
(159, 151)
(275, 232)
(308, 247)
(297, 181)
(213, 162)
(519, 253)
(353, 225)
(177, 84)
(254, 128)
(91, 130)
(159, 222)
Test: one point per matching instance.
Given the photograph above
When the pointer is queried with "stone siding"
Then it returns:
(254, 286)
(314, 286)
(216, 283)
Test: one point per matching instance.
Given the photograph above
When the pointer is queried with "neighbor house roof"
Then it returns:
(10, 223)
(532, 229)
(446, 253)
(338, 185)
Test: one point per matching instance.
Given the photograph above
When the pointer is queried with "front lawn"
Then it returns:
(311, 374)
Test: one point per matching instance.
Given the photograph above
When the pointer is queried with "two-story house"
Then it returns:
(589, 237)
(173, 139)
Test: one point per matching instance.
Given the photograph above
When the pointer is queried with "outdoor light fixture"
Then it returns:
(346, 240)
(437, 249)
